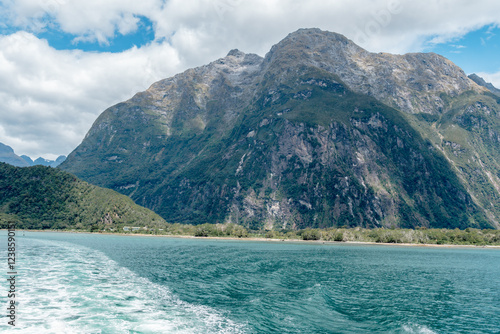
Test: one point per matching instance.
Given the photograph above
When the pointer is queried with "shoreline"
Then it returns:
(322, 242)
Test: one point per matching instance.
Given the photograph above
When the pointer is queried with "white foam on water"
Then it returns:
(417, 329)
(67, 288)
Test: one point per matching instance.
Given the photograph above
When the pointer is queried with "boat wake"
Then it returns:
(67, 288)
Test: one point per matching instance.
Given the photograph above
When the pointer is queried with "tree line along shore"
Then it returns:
(468, 236)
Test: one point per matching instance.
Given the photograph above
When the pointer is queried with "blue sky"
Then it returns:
(478, 51)
(61, 40)
(62, 62)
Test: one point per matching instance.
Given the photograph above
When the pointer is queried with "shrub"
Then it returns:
(311, 234)
(272, 235)
(239, 232)
(338, 236)
(203, 230)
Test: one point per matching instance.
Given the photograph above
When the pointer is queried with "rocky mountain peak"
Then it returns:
(315, 40)
(236, 60)
(312, 47)
(412, 82)
(186, 97)
(235, 63)
(236, 53)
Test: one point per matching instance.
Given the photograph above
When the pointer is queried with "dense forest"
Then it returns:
(42, 197)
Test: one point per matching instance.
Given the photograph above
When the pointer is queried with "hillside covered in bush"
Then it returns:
(46, 198)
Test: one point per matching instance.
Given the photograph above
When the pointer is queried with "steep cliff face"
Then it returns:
(318, 133)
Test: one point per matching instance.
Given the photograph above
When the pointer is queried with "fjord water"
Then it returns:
(83, 283)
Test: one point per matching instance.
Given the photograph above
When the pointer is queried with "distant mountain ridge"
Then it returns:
(7, 155)
(481, 82)
(318, 133)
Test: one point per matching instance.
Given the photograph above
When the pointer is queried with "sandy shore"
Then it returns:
(322, 242)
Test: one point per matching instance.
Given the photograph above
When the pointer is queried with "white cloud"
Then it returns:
(383, 25)
(389, 24)
(51, 97)
(94, 20)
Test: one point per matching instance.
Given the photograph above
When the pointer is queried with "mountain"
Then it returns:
(51, 163)
(481, 82)
(40, 197)
(28, 160)
(318, 133)
(7, 155)
(44, 162)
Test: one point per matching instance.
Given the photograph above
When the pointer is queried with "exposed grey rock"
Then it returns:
(412, 82)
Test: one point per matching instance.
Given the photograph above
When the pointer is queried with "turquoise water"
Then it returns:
(81, 283)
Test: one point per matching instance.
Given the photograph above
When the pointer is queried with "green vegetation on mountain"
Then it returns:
(318, 134)
(467, 133)
(46, 198)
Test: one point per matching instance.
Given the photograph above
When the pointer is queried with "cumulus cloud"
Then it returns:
(395, 26)
(378, 25)
(92, 20)
(51, 97)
